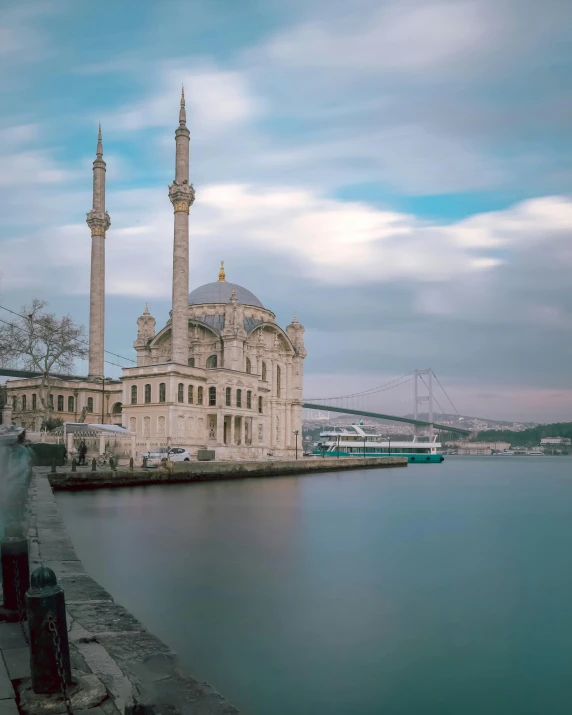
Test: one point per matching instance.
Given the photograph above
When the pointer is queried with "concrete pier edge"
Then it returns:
(105, 639)
(215, 471)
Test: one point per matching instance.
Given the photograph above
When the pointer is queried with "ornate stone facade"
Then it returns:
(220, 374)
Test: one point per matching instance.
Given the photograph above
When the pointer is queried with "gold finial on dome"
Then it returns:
(221, 273)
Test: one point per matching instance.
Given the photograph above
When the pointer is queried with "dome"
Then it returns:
(221, 292)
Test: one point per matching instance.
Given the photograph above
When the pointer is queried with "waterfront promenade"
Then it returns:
(180, 472)
(105, 639)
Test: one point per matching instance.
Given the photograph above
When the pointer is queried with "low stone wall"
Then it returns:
(105, 638)
(214, 471)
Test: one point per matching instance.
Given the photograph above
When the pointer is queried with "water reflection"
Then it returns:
(436, 589)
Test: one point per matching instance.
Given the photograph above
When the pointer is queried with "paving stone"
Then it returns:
(6, 689)
(104, 617)
(18, 662)
(83, 588)
(11, 636)
(8, 707)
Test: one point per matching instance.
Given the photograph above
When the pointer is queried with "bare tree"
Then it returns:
(40, 342)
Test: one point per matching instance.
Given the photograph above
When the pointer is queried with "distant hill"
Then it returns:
(531, 436)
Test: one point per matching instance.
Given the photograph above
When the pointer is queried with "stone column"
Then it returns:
(231, 434)
(98, 221)
(182, 196)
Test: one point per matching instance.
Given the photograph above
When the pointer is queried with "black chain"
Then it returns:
(52, 625)
(20, 605)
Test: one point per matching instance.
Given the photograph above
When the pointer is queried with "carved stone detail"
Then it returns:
(182, 196)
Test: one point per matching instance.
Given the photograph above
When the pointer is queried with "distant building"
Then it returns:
(556, 440)
(478, 448)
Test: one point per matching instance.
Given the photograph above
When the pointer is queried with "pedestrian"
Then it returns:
(82, 453)
(65, 454)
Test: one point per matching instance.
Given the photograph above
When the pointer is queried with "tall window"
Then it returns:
(133, 394)
(181, 392)
(211, 361)
(60, 403)
(200, 395)
(264, 371)
(260, 404)
(90, 404)
(191, 362)
(51, 401)
(70, 404)
(278, 375)
(190, 395)
(248, 366)
(239, 398)
(228, 398)
(147, 393)
(34, 401)
(15, 402)
(162, 392)
(212, 396)
(249, 400)
(24, 400)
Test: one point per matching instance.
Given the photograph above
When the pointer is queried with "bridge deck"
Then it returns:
(379, 416)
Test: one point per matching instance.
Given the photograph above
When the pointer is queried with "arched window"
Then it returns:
(34, 401)
(200, 395)
(191, 362)
(133, 394)
(181, 392)
(15, 403)
(190, 395)
(60, 403)
(239, 398)
(70, 404)
(147, 393)
(24, 400)
(51, 401)
(264, 371)
(249, 400)
(228, 398)
(278, 376)
(90, 404)
(248, 366)
(211, 361)
(260, 404)
(212, 396)
(162, 392)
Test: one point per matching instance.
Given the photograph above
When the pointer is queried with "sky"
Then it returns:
(398, 174)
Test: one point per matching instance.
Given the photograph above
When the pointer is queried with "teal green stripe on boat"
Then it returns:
(415, 458)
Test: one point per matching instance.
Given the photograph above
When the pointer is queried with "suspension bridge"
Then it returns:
(419, 382)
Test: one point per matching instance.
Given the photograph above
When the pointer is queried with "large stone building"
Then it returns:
(220, 374)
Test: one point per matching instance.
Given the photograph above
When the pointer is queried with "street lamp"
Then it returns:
(296, 433)
(102, 379)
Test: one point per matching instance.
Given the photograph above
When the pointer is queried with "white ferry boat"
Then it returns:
(359, 440)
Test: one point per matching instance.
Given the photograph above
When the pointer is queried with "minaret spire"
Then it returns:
(183, 111)
(98, 221)
(182, 196)
(99, 152)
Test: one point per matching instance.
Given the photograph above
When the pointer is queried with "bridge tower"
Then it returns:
(423, 395)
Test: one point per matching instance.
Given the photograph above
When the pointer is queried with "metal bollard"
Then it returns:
(49, 647)
(15, 568)
(74, 465)
(131, 463)
(93, 465)
(54, 468)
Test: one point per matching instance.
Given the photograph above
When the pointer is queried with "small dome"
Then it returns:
(221, 292)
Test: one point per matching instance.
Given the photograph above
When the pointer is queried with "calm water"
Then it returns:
(429, 590)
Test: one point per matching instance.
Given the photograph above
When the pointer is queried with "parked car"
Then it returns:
(174, 454)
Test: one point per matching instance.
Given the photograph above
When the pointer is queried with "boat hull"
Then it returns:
(413, 458)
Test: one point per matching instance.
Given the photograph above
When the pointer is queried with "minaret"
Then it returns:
(182, 196)
(98, 221)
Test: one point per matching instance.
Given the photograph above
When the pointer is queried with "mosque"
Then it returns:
(221, 374)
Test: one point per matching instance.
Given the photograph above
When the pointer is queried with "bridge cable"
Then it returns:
(446, 395)
(371, 391)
